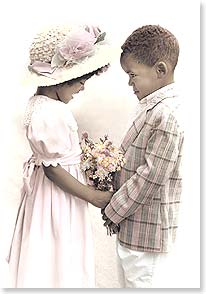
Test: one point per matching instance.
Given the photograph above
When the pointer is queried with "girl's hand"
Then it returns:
(101, 199)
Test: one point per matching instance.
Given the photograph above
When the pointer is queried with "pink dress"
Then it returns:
(52, 245)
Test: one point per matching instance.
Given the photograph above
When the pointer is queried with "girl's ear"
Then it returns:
(161, 69)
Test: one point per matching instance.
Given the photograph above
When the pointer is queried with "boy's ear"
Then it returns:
(161, 69)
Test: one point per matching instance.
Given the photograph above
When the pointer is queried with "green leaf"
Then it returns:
(100, 37)
(57, 61)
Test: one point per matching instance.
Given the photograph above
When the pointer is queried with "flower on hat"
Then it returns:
(96, 32)
(77, 45)
(72, 49)
(93, 30)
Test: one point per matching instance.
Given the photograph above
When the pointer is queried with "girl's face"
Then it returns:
(66, 92)
(142, 78)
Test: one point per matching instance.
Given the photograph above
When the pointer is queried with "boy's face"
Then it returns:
(142, 78)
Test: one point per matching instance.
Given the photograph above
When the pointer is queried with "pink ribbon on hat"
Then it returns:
(40, 67)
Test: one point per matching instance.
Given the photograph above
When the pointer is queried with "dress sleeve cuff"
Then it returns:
(47, 163)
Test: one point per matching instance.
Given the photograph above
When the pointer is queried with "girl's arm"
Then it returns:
(69, 184)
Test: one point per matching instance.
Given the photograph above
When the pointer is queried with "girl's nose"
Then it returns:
(81, 86)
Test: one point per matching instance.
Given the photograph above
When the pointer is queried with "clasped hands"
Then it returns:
(112, 228)
(101, 200)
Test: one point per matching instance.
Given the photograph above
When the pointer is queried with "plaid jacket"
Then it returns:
(146, 203)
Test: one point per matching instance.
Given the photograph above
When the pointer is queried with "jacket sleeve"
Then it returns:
(160, 156)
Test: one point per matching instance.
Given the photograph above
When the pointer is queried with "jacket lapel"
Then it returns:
(149, 102)
(133, 131)
(138, 124)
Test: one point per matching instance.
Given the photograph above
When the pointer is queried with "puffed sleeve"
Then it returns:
(50, 134)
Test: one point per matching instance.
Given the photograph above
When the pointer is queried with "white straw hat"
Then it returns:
(63, 53)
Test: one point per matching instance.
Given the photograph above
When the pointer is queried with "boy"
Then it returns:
(145, 206)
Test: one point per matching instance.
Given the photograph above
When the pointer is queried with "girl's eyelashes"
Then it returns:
(83, 82)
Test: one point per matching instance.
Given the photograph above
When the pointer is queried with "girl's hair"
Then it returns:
(70, 82)
(150, 44)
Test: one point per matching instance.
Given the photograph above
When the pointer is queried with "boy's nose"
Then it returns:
(130, 82)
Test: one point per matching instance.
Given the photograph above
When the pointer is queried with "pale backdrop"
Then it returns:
(104, 107)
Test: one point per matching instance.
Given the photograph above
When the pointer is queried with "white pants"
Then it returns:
(137, 269)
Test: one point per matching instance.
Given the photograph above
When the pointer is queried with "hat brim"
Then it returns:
(103, 55)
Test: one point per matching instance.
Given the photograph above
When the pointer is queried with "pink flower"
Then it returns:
(78, 44)
(106, 152)
(85, 135)
(93, 30)
(101, 163)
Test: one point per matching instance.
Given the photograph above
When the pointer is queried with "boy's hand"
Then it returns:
(112, 228)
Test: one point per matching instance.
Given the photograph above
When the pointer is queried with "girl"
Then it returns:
(52, 241)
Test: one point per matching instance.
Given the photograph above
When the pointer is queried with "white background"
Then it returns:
(104, 107)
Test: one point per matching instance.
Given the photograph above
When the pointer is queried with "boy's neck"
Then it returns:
(167, 81)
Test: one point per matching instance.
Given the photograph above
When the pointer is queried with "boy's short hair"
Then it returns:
(152, 43)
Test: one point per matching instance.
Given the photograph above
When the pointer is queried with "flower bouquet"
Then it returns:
(100, 160)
